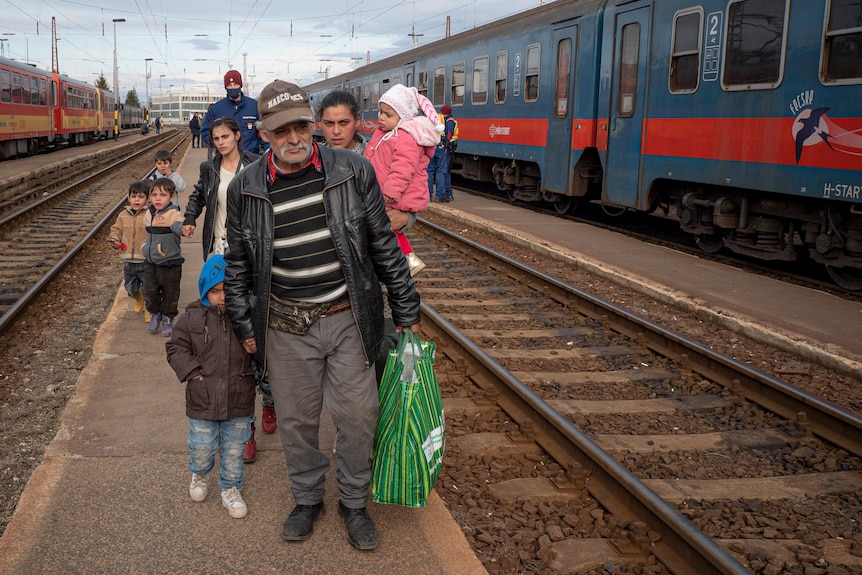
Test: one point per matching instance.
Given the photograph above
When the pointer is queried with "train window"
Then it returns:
(628, 80)
(564, 70)
(34, 91)
(685, 55)
(479, 90)
(366, 101)
(409, 81)
(531, 78)
(375, 94)
(5, 86)
(756, 34)
(357, 93)
(26, 98)
(386, 86)
(501, 77)
(439, 86)
(17, 95)
(397, 80)
(422, 85)
(842, 48)
(43, 93)
(459, 80)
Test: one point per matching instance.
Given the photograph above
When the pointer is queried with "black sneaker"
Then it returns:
(361, 531)
(300, 522)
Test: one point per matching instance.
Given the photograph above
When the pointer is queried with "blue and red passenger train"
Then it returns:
(742, 118)
(41, 110)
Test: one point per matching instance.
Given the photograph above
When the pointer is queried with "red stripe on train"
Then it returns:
(753, 140)
(583, 134)
(529, 132)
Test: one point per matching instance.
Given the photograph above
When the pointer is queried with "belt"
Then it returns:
(343, 306)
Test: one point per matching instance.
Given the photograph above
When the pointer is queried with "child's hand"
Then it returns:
(388, 200)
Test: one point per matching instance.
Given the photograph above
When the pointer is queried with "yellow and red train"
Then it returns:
(41, 111)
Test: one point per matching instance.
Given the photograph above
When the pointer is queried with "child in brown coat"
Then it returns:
(127, 237)
(205, 353)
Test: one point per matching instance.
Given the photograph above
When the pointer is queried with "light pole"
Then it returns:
(116, 84)
(147, 84)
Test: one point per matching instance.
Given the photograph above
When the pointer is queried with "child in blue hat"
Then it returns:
(220, 390)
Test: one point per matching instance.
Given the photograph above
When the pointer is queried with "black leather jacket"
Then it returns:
(366, 247)
(205, 195)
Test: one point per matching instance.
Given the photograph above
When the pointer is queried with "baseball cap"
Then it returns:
(281, 103)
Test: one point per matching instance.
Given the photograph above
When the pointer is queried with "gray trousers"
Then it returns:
(324, 366)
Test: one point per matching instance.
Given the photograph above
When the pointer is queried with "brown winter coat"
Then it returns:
(131, 230)
(205, 353)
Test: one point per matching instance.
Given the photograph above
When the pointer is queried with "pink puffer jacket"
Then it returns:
(400, 158)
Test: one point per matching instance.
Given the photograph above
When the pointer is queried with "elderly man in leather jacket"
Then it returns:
(309, 243)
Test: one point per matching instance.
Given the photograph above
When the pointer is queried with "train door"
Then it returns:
(627, 106)
(409, 77)
(558, 164)
(54, 105)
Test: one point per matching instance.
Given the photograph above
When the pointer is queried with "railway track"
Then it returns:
(583, 438)
(45, 225)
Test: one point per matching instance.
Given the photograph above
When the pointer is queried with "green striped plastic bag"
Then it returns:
(408, 447)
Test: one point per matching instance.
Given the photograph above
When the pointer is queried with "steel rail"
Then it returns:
(21, 303)
(811, 413)
(683, 548)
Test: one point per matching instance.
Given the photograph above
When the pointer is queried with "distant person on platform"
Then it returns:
(238, 106)
(159, 124)
(440, 167)
(195, 128)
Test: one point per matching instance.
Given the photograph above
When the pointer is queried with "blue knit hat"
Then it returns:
(211, 275)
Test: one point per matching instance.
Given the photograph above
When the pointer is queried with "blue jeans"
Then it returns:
(438, 174)
(133, 277)
(228, 436)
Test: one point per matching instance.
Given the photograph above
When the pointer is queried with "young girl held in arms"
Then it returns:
(400, 149)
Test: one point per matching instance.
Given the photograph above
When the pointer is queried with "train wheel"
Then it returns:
(710, 244)
(848, 278)
(510, 194)
(565, 205)
(613, 211)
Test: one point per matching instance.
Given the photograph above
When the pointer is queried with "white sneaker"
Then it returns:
(198, 487)
(415, 264)
(232, 500)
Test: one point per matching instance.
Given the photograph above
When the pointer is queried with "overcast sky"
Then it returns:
(194, 42)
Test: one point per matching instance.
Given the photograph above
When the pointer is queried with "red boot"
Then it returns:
(267, 420)
(249, 454)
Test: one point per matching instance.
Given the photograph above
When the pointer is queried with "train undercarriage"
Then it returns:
(759, 225)
(769, 227)
(522, 180)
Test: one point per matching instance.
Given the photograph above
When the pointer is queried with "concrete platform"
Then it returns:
(112, 497)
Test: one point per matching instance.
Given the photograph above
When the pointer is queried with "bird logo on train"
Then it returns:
(813, 127)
